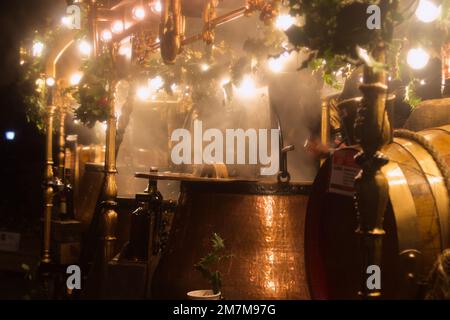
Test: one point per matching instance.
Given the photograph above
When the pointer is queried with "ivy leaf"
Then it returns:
(217, 242)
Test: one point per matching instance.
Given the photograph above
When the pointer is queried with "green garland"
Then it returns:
(32, 75)
(335, 29)
(32, 86)
(93, 92)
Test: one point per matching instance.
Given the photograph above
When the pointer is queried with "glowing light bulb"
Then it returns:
(126, 50)
(75, 79)
(427, 11)
(50, 82)
(85, 48)
(138, 13)
(106, 35)
(143, 93)
(224, 81)
(38, 48)
(157, 7)
(423, 82)
(66, 21)
(204, 67)
(117, 26)
(417, 58)
(247, 87)
(40, 82)
(156, 83)
(284, 22)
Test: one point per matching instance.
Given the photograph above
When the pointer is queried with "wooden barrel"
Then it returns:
(428, 114)
(416, 220)
(262, 225)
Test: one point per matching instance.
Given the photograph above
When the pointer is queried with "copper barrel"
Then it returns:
(416, 221)
(263, 228)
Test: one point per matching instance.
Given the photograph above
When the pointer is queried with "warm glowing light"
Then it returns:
(38, 48)
(247, 87)
(423, 82)
(143, 93)
(225, 81)
(106, 35)
(75, 79)
(157, 7)
(427, 11)
(138, 13)
(173, 87)
(204, 67)
(156, 83)
(418, 58)
(22, 62)
(66, 21)
(40, 82)
(50, 81)
(284, 22)
(126, 50)
(117, 26)
(277, 64)
(85, 48)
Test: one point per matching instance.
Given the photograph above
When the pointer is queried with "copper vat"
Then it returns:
(263, 228)
(416, 221)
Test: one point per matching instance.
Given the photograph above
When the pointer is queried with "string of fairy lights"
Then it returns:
(417, 58)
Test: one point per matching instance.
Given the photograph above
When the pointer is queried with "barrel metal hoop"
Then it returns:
(441, 201)
(248, 188)
(424, 143)
(403, 206)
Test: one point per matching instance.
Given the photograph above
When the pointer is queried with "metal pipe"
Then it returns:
(48, 186)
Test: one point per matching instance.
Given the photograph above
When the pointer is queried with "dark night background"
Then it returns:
(21, 164)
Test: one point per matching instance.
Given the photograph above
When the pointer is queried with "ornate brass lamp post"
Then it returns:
(373, 130)
(108, 216)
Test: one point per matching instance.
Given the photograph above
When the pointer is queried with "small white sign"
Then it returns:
(9, 241)
(343, 172)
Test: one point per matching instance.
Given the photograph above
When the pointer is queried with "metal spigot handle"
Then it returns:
(283, 175)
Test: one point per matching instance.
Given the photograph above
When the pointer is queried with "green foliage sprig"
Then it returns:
(32, 86)
(32, 73)
(208, 265)
(93, 94)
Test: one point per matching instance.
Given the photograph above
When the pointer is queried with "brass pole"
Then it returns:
(48, 187)
(92, 22)
(62, 157)
(325, 125)
(108, 216)
(373, 131)
(62, 143)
